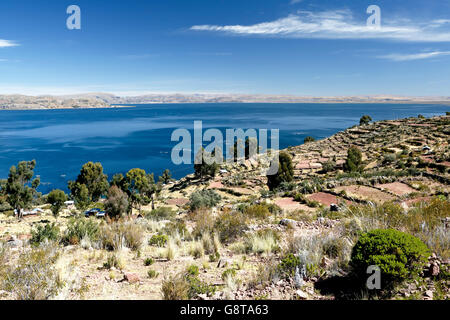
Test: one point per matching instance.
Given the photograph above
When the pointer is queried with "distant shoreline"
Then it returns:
(231, 102)
(66, 108)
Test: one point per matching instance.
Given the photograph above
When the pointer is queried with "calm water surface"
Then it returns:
(61, 141)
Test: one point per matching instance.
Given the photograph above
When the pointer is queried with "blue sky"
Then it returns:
(319, 48)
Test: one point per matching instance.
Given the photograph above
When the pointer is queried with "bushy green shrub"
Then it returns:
(196, 286)
(288, 264)
(49, 231)
(116, 235)
(175, 287)
(158, 240)
(353, 163)
(78, 228)
(178, 226)
(148, 262)
(258, 211)
(205, 198)
(152, 274)
(285, 171)
(228, 273)
(398, 255)
(230, 225)
(192, 270)
(162, 213)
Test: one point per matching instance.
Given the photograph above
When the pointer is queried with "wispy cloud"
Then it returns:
(295, 1)
(339, 24)
(7, 43)
(414, 56)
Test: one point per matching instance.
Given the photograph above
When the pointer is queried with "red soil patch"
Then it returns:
(400, 189)
(241, 190)
(417, 200)
(289, 204)
(326, 198)
(177, 201)
(366, 193)
(216, 185)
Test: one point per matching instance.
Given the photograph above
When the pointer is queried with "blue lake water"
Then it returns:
(61, 141)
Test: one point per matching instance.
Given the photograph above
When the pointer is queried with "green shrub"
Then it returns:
(192, 270)
(112, 261)
(158, 240)
(288, 264)
(178, 226)
(204, 222)
(230, 225)
(175, 287)
(228, 273)
(196, 287)
(353, 163)
(148, 262)
(162, 213)
(49, 231)
(285, 171)
(214, 257)
(365, 119)
(205, 198)
(398, 255)
(258, 211)
(152, 274)
(308, 139)
(78, 228)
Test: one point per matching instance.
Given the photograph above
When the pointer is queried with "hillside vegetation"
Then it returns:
(376, 194)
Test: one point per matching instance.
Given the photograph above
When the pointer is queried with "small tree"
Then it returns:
(80, 194)
(116, 204)
(353, 163)
(365, 119)
(166, 177)
(120, 181)
(20, 188)
(56, 198)
(92, 176)
(309, 139)
(202, 168)
(139, 185)
(285, 171)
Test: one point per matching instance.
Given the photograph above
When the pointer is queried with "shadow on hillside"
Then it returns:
(343, 288)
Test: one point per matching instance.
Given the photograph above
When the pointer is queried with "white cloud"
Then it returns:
(295, 1)
(7, 43)
(414, 56)
(339, 24)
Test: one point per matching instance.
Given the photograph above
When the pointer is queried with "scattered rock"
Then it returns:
(301, 294)
(434, 269)
(15, 243)
(131, 278)
(288, 222)
(429, 294)
(222, 263)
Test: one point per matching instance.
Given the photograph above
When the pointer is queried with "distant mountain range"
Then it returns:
(105, 100)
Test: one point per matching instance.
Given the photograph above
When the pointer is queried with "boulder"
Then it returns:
(288, 222)
(434, 269)
(131, 278)
(301, 294)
